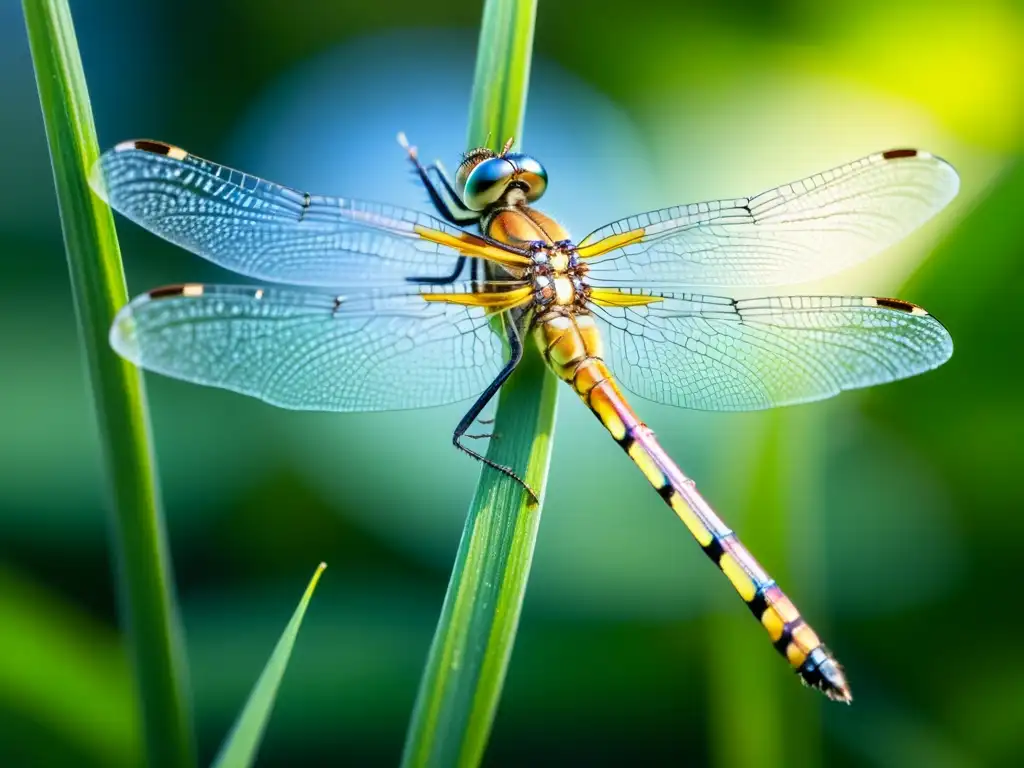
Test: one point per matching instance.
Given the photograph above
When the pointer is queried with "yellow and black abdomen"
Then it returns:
(571, 345)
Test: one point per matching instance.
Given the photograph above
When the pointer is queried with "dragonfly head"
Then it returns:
(485, 177)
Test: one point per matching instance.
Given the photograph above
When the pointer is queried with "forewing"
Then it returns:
(794, 233)
(721, 354)
(265, 230)
(312, 351)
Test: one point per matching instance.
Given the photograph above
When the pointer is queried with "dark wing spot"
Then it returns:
(895, 154)
(170, 291)
(156, 147)
(902, 306)
(167, 291)
(306, 202)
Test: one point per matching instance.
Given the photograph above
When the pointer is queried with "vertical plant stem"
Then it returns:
(502, 75)
(472, 645)
(145, 589)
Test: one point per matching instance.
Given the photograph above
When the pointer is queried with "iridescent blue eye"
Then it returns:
(487, 182)
(530, 174)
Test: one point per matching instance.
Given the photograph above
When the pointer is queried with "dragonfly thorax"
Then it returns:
(558, 274)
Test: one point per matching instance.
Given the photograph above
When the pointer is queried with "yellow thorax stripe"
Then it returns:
(610, 243)
(496, 300)
(471, 245)
(610, 297)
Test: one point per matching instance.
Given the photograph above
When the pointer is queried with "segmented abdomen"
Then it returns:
(572, 347)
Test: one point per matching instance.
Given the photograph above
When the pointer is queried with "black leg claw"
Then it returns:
(534, 498)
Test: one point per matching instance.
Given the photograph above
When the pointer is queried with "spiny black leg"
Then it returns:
(449, 187)
(460, 263)
(443, 209)
(515, 344)
(435, 197)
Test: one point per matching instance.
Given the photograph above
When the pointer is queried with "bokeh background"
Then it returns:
(892, 516)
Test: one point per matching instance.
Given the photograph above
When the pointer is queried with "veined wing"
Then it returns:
(794, 233)
(721, 354)
(374, 351)
(268, 231)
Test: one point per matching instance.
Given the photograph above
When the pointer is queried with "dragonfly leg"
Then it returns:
(464, 215)
(460, 264)
(515, 343)
(449, 187)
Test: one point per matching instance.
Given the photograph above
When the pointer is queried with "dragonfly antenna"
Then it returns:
(403, 142)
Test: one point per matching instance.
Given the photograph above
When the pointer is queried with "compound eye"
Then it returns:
(487, 182)
(531, 174)
(470, 160)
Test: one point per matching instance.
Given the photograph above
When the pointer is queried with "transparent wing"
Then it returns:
(312, 351)
(794, 233)
(723, 354)
(265, 230)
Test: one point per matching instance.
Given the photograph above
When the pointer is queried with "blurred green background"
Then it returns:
(891, 516)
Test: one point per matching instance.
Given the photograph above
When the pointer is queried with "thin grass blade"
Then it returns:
(468, 659)
(146, 594)
(240, 748)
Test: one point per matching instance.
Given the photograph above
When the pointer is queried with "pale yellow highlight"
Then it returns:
(739, 578)
(610, 243)
(564, 293)
(690, 520)
(795, 654)
(607, 413)
(472, 246)
(610, 297)
(772, 622)
(192, 290)
(647, 465)
(496, 300)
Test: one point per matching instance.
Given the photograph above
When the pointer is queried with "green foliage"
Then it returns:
(902, 502)
(243, 742)
(469, 656)
(97, 281)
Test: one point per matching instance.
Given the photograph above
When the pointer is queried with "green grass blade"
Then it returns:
(502, 75)
(97, 281)
(472, 645)
(243, 742)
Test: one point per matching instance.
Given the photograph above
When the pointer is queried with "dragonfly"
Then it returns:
(375, 307)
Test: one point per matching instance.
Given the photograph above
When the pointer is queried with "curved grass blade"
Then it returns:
(240, 747)
(145, 588)
(472, 645)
